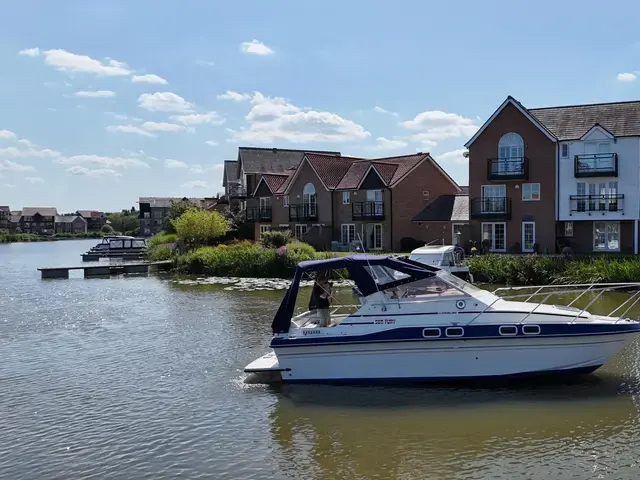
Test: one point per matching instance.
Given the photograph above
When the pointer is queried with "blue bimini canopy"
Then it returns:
(356, 266)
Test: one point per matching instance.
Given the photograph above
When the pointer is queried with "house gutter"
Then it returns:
(333, 231)
(391, 218)
(557, 209)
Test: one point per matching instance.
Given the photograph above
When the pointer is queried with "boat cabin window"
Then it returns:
(432, 259)
(508, 330)
(423, 288)
(455, 332)
(448, 260)
(430, 332)
(115, 244)
(531, 329)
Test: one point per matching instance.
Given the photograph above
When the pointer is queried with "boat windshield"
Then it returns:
(432, 259)
(459, 283)
(382, 274)
(422, 289)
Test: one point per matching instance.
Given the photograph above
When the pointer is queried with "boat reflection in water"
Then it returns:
(544, 430)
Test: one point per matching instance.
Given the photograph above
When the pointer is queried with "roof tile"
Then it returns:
(445, 208)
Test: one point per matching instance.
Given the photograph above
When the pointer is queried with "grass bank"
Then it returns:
(544, 270)
(32, 237)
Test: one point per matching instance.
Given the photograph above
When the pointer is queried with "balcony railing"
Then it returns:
(596, 165)
(514, 168)
(596, 204)
(305, 212)
(491, 208)
(258, 214)
(367, 210)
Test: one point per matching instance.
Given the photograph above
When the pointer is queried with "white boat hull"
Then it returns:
(425, 361)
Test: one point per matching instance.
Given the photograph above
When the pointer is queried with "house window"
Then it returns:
(494, 198)
(348, 233)
(528, 236)
(300, 230)
(285, 201)
(606, 236)
(377, 236)
(602, 196)
(496, 234)
(510, 147)
(264, 228)
(568, 229)
(346, 198)
(564, 150)
(309, 200)
(530, 192)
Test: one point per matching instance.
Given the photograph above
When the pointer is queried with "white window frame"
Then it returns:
(487, 207)
(377, 247)
(346, 198)
(606, 242)
(285, 200)
(531, 192)
(300, 230)
(568, 229)
(264, 228)
(345, 227)
(493, 235)
(528, 250)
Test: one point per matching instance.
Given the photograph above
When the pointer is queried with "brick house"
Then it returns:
(39, 220)
(543, 178)
(95, 220)
(330, 200)
(71, 224)
(153, 211)
(446, 220)
(5, 214)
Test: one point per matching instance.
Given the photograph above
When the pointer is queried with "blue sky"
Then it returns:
(103, 102)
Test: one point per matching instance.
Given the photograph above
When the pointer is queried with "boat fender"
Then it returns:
(461, 304)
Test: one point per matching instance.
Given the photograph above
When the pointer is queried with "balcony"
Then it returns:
(491, 208)
(596, 204)
(236, 190)
(596, 165)
(307, 212)
(514, 168)
(258, 214)
(367, 211)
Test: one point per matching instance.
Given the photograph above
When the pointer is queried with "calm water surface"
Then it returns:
(142, 378)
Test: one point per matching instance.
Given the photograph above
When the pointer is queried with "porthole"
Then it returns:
(431, 332)
(461, 304)
(455, 332)
(508, 330)
(531, 329)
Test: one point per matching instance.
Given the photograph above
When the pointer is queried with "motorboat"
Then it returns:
(415, 322)
(446, 257)
(106, 242)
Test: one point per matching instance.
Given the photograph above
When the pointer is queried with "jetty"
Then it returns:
(102, 270)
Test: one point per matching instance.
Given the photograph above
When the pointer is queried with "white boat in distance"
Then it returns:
(443, 257)
(419, 323)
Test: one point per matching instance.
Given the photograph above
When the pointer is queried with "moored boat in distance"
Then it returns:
(415, 322)
(444, 257)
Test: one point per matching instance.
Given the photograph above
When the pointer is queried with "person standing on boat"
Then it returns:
(321, 300)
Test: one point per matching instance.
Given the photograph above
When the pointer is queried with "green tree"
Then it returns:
(175, 211)
(200, 227)
(123, 222)
(106, 229)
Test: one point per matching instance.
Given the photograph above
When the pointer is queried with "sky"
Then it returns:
(104, 102)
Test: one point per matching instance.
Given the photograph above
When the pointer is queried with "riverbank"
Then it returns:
(251, 260)
(32, 237)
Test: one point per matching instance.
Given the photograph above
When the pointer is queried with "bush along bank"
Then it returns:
(545, 270)
(32, 237)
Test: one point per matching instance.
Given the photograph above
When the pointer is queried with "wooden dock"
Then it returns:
(95, 256)
(103, 270)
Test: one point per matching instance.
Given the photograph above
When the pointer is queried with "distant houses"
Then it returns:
(47, 221)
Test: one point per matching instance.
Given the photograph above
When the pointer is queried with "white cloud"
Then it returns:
(386, 144)
(97, 172)
(274, 119)
(34, 179)
(7, 135)
(95, 93)
(9, 166)
(103, 162)
(435, 125)
(453, 157)
(206, 168)
(128, 129)
(164, 127)
(382, 110)
(73, 63)
(211, 143)
(29, 152)
(169, 163)
(122, 116)
(199, 118)
(164, 102)
(626, 77)
(255, 47)
(148, 78)
(235, 96)
(30, 52)
(9, 185)
(196, 184)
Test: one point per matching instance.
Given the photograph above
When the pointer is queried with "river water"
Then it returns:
(141, 378)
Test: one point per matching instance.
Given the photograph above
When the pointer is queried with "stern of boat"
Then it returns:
(265, 369)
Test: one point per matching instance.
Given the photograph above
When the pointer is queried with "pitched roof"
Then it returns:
(445, 208)
(44, 211)
(330, 168)
(4, 208)
(68, 218)
(230, 171)
(355, 174)
(390, 169)
(274, 180)
(273, 160)
(89, 213)
(166, 202)
(571, 122)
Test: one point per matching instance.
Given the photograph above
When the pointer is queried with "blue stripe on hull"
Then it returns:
(471, 332)
(546, 374)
